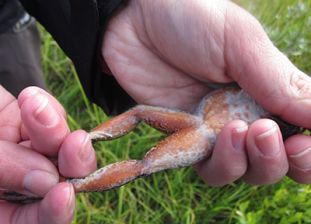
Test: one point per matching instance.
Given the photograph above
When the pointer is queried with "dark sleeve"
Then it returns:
(77, 26)
(10, 12)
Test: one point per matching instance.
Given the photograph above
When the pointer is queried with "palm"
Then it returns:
(153, 65)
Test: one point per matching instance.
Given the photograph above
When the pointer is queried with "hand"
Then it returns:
(166, 52)
(32, 130)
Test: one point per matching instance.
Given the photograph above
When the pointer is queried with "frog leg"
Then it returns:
(183, 148)
(165, 120)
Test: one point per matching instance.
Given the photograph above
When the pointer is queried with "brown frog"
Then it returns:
(191, 138)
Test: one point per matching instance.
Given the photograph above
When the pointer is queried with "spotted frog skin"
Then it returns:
(191, 138)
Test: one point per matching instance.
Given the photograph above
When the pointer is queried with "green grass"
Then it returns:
(180, 196)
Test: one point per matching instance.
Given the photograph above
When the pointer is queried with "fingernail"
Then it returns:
(302, 159)
(39, 182)
(45, 114)
(86, 151)
(268, 142)
(26, 94)
(31, 92)
(238, 138)
(70, 203)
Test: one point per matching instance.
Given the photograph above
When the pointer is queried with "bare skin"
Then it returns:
(167, 52)
(191, 139)
(25, 159)
(161, 48)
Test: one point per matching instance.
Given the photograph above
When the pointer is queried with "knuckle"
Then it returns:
(299, 85)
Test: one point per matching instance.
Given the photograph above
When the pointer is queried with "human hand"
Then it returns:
(165, 53)
(32, 130)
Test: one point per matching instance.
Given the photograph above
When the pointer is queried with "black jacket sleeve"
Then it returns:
(10, 12)
(77, 26)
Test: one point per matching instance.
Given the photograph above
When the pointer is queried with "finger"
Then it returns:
(30, 92)
(24, 134)
(10, 118)
(58, 205)
(77, 157)
(266, 154)
(26, 143)
(10, 123)
(44, 123)
(56, 208)
(33, 90)
(25, 170)
(263, 71)
(229, 161)
(298, 149)
(6, 97)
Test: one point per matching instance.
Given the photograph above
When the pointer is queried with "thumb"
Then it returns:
(57, 207)
(23, 169)
(264, 72)
(43, 119)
